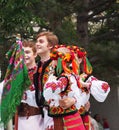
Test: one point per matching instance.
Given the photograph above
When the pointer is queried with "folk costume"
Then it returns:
(19, 93)
(99, 90)
(57, 82)
(29, 114)
(40, 78)
(60, 77)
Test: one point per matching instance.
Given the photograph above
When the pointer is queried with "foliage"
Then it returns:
(92, 24)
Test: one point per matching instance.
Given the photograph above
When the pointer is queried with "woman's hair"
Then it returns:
(30, 44)
(52, 38)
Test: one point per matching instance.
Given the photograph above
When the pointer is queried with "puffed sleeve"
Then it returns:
(81, 97)
(53, 87)
(99, 89)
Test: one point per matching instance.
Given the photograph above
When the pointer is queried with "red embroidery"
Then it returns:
(93, 78)
(31, 73)
(61, 83)
(105, 87)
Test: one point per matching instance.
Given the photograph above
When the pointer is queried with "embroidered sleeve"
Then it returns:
(99, 89)
(76, 92)
(55, 83)
(52, 89)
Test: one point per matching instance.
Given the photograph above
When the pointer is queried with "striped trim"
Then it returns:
(71, 119)
(73, 122)
(72, 126)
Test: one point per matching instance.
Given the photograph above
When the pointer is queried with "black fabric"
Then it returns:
(40, 100)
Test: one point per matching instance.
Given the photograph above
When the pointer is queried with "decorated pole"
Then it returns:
(18, 38)
(16, 81)
(10, 123)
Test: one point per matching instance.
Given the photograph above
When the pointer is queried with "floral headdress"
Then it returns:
(67, 56)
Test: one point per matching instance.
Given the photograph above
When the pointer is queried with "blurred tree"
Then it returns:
(92, 24)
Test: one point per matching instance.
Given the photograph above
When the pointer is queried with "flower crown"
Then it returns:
(67, 56)
(70, 55)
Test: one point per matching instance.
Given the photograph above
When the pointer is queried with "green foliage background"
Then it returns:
(89, 24)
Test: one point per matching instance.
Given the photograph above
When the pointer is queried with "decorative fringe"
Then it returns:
(16, 81)
(64, 65)
(75, 67)
(59, 66)
(87, 66)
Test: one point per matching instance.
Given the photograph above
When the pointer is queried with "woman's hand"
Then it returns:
(67, 102)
